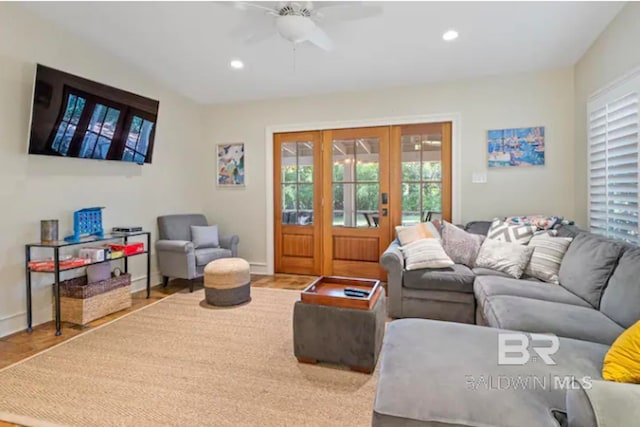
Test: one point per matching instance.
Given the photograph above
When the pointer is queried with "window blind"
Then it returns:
(614, 125)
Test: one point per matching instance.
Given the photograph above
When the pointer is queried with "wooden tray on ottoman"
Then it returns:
(329, 291)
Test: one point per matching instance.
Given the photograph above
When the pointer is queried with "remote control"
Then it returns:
(356, 292)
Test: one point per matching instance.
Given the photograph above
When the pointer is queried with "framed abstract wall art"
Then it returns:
(519, 147)
(231, 165)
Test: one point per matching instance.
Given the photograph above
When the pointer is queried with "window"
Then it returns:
(137, 143)
(100, 131)
(613, 129)
(68, 124)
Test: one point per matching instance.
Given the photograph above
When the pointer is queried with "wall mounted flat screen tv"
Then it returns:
(76, 117)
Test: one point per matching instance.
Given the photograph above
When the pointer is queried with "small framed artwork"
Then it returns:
(520, 147)
(231, 165)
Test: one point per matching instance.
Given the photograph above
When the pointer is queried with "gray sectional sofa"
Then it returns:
(446, 373)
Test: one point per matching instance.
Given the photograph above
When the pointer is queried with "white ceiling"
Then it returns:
(188, 46)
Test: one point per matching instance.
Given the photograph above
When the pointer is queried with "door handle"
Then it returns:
(385, 198)
(385, 211)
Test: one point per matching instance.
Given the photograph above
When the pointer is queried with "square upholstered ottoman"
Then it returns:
(341, 335)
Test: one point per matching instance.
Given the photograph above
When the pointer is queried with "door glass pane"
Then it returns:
(289, 162)
(410, 203)
(432, 158)
(344, 205)
(305, 162)
(305, 204)
(356, 176)
(289, 203)
(297, 182)
(343, 160)
(421, 177)
(367, 159)
(367, 205)
(432, 199)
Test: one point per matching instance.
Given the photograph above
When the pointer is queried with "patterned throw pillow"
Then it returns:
(425, 253)
(547, 256)
(510, 258)
(505, 232)
(462, 247)
(412, 233)
(541, 222)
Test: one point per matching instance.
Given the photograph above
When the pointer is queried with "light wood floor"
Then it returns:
(21, 345)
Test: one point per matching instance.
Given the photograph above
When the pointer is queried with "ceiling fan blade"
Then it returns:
(254, 30)
(319, 38)
(344, 11)
(269, 7)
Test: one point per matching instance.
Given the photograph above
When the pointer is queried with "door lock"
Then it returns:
(385, 198)
(385, 211)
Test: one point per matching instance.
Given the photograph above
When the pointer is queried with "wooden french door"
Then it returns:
(356, 201)
(298, 201)
(339, 194)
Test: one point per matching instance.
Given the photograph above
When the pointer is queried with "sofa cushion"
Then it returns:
(547, 256)
(462, 247)
(425, 253)
(621, 299)
(563, 320)
(509, 258)
(431, 375)
(488, 286)
(457, 278)
(505, 232)
(481, 271)
(206, 255)
(588, 264)
(205, 237)
(478, 227)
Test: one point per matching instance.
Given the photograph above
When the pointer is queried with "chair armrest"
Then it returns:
(392, 260)
(231, 243)
(180, 246)
(603, 404)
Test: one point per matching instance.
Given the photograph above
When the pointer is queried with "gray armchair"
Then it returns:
(177, 256)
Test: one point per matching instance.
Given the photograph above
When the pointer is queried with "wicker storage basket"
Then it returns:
(81, 303)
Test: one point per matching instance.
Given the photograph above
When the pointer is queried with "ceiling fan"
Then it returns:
(298, 22)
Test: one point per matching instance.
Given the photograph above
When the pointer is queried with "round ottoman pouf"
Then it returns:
(227, 281)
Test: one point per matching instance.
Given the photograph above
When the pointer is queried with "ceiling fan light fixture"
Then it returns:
(450, 35)
(295, 28)
(236, 64)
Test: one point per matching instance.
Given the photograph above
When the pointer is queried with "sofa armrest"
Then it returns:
(231, 243)
(180, 246)
(392, 261)
(603, 404)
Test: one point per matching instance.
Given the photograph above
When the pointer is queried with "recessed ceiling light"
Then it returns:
(450, 35)
(236, 64)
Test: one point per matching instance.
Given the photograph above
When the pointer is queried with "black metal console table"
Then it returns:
(56, 246)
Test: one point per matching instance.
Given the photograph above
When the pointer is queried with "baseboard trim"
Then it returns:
(258, 267)
(18, 321)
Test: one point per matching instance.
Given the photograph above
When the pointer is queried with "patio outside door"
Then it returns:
(356, 197)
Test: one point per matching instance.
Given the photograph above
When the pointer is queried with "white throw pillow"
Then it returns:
(425, 253)
(547, 256)
(509, 258)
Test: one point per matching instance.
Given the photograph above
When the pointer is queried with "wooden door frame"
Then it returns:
(268, 266)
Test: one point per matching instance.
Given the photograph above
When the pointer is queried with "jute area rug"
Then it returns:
(180, 362)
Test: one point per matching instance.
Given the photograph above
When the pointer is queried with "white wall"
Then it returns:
(614, 53)
(536, 99)
(35, 187)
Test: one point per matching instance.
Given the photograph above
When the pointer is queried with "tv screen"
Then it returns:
(76, 117)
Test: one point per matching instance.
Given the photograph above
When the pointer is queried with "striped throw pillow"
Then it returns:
(547, 255)
(425, 253)
(505, 232)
